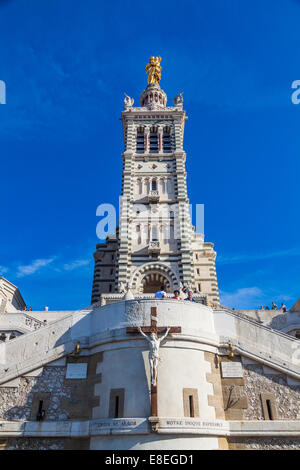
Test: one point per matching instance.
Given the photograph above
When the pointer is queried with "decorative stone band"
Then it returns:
(193, 426)
(171, 425)
(139, 109)
(119, 426)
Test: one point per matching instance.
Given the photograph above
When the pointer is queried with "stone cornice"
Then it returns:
(169, 111)
(143, 425)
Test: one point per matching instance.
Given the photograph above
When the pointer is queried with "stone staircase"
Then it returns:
(259, 342)
(43, 345)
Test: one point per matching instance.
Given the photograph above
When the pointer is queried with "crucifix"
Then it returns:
(154, 343)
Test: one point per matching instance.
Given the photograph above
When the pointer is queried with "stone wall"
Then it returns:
(286, 397)
(237, 398)
(35, 443)
(263, 443)
(16, 403)
(44, 443)
(62, 398)
(243, 397)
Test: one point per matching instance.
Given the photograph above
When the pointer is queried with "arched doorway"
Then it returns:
(152, 282)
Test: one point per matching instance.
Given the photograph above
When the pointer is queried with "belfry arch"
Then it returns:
(151, 276)
(153, 281)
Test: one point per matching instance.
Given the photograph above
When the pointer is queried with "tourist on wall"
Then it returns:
(190, 296)
(161, 294)
(176, 295)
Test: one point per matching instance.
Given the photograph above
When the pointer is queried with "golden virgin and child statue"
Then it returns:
(153, 70)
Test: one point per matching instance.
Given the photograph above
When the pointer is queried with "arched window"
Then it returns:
(153, 140)
(154, 233)
(167, 140)
(140, 140)
(154, 185)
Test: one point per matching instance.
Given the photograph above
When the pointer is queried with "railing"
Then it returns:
(257, 341)
(33, 323)
(111, 298)
(19, 321)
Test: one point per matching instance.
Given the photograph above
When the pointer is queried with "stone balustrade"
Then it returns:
(111, 298)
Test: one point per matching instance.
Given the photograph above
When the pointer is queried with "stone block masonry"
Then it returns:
(263, 443)
(16, 403)
(285, 397)
(35, 443)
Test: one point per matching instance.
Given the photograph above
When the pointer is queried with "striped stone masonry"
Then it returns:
(154, 176)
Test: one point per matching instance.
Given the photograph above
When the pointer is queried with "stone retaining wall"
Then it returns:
(16, 403)
(262, 443)
(285, 396)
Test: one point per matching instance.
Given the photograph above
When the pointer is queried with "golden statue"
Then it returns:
(153, 70)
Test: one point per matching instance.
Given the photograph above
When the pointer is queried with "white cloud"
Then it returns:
(3, 270)
(245, 298)
(76, 264)
(37, 264)
(34, 266)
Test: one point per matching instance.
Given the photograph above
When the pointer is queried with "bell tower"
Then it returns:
(156, 243)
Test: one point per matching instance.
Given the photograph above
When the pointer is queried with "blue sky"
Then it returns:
(66, 65)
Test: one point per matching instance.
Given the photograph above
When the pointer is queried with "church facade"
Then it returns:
(132, 371)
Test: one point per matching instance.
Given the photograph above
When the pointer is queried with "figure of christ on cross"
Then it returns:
(154, 343)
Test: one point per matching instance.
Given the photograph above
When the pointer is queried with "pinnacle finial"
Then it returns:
(153, 70)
